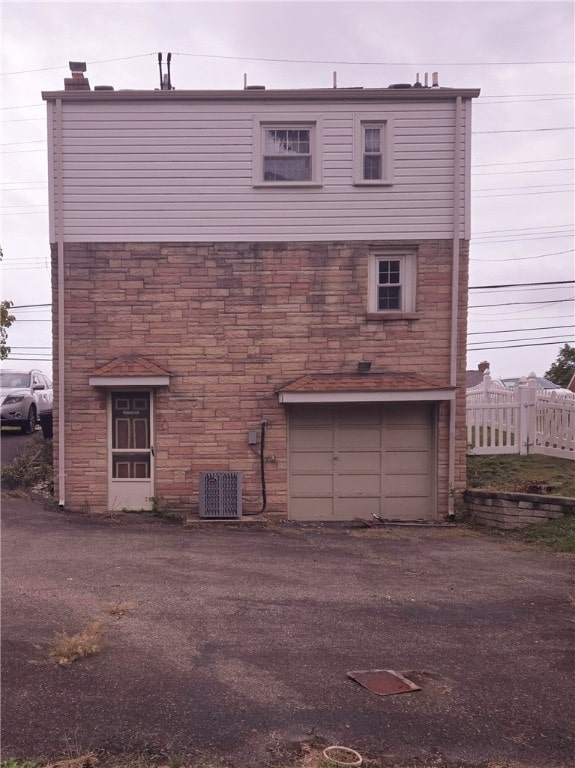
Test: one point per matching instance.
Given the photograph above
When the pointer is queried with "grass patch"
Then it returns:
(557, 535)
(517, 473)
(69, 648)
(32, 467)
(18, 764)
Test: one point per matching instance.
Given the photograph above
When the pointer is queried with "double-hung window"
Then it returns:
(287, 153)
(392, 283)
(373, 150)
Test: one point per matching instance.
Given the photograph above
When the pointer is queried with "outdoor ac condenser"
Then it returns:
(220, 495)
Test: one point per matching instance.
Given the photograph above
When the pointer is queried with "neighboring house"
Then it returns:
(542, 383)
(238, 273)
(475, 377)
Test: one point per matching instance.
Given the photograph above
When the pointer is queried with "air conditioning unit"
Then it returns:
(220, 495)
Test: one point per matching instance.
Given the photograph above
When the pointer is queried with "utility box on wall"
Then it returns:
(220, 495)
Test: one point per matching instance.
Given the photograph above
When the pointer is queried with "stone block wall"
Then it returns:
(234, 322)
(498, 509)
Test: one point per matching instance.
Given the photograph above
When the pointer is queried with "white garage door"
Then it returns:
(348, 461)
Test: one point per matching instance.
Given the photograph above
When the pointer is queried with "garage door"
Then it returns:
(350, 461)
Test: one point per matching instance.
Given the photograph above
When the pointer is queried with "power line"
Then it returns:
(525, 162)
(24, 120)
(520, 95)
(482, 320)
(515, 330)
(24, 106)
(13, 143)
(524, 240)
(529, 186)
(304, 61)
(527, 130)
(536, 170)
(519, 230)
(488, 103)
(508, 285)
(535, 338)
(375, 63)
(509, 303)
(516, 346)
(527, 290)
(101, 61)
(523, 194)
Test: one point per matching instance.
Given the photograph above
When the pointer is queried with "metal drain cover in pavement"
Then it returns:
(383, 681)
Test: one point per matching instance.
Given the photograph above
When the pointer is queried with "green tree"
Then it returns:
(6, 320)
(563, 368)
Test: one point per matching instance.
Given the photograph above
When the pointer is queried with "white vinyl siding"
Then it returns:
(149, 171)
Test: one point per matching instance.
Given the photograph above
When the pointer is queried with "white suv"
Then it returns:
(24, 397)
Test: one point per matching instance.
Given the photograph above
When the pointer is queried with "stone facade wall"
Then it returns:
(233, 322)
(498, 509)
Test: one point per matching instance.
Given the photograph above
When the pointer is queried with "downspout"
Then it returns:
(59, 210)
(454, 301)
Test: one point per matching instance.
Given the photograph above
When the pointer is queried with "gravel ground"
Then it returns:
(11, 443)
(239, 638)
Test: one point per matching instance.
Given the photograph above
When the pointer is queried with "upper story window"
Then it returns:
(373, 150)
(287, 153)
(392, 282)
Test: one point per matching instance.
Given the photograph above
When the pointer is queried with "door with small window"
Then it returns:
(131, 450)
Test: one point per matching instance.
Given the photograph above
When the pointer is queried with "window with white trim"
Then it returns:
(373, 157)
(392, 282)
(287, 153)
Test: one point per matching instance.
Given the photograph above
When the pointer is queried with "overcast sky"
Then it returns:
(519, 53)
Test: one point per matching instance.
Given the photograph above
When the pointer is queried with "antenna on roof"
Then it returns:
(169, 76)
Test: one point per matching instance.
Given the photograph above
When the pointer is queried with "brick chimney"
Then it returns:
(484, 366)
(77, 82)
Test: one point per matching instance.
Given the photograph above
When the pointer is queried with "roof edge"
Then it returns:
(304, 94)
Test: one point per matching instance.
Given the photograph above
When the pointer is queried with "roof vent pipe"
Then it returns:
(435, 80)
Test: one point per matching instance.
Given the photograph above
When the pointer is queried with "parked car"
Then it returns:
(25, 398)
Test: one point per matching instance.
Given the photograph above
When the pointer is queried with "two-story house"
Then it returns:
(270, 282)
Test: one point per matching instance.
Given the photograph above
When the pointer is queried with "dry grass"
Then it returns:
(119, 609)
(69, 648)
(89, 760)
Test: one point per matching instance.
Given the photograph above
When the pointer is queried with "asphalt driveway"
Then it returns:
(239, 641)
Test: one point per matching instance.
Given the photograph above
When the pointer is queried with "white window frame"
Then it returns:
(385, 123)
(293, 122)
(408, 272)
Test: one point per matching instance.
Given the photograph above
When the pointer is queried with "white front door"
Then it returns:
(131, 470)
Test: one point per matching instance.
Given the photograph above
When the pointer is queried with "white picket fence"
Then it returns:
(523, 420)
